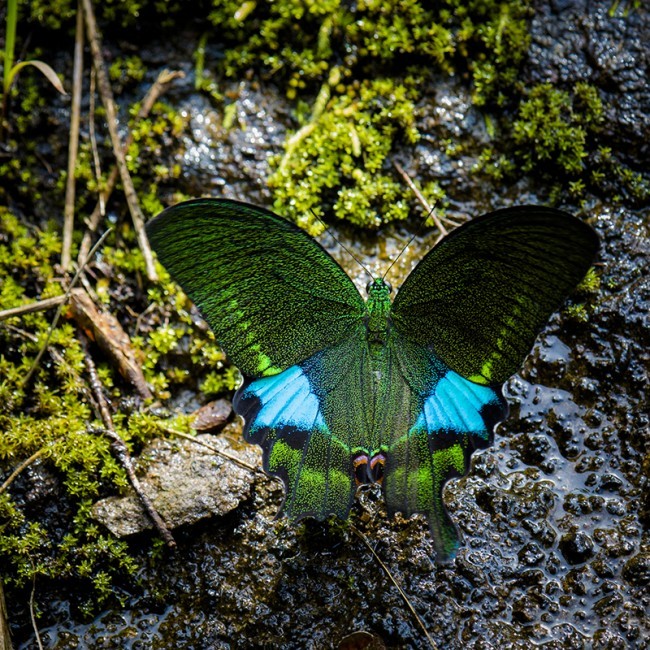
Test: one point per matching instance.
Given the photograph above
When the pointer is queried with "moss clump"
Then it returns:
(53, 416)
(55, 14)
(555, 136)
(552, 128)
(302, 41)
(584, 300)
(339, 157)
(342, 155)
(125, 72)
(151, 152)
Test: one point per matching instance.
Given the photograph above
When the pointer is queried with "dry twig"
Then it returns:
(111, 117)
(38, 305)
(32, 614)
(156, 89)
(119, 446)
(107, 332)
(429, 209)
(68, 220)
(5, 638)
(26, 463)
(219, 452)
(55, 320)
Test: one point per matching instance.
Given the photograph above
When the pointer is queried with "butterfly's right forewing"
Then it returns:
(270, 293)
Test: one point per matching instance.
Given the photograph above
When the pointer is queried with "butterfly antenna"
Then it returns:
(409, 242)
(343, 246)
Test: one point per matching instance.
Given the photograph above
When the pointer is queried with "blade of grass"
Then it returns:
(10, 44)
(73, 143)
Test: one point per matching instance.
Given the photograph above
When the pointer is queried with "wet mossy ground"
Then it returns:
(300, 106)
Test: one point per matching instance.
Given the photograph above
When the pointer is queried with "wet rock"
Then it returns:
(525, 609)
(212, 416)
(637, 569)
(584, 42)
(186, 482)
(361, 640)
(531, 554)
(577, 547)
(613, 542)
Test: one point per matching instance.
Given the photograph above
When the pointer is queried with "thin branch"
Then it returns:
(32, 615)
(119, 446)
(55, 320)
(111, 117)
(97, 165)
(26, 463)
(363, 538)
(73, 145)
(38, 305)
(154, 92)
(219, 452)
(5, 637)
(420, 197)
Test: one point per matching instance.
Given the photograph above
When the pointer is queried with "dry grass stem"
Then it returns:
(106, 94)
(5, 637)
(73, 143)
(39, 305)
(119, 446)
(55, 320)
(157, 88)
(219, 452)
(363, 538)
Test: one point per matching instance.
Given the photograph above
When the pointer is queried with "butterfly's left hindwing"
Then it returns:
(308, 420)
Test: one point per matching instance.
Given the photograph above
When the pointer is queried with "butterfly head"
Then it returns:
(378, 288)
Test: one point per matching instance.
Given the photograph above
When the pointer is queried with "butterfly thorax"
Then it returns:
(378, 305)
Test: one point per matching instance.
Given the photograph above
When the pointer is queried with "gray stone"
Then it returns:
(186, 482)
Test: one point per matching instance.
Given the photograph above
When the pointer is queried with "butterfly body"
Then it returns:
(340, 391)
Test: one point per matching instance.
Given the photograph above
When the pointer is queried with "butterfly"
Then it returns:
(341, 391)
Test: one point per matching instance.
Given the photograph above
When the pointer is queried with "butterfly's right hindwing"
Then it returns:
(271, 294)
(432, 421)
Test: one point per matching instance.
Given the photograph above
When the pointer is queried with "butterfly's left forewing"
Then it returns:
(270, 293)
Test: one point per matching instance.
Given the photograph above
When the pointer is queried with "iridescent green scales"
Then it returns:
(339, 391)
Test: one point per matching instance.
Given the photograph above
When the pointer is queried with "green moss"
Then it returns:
(56, 14)
(555, 137)
(552, 127)
(303, 41)
(126, 71)
(54, 414)
(341, 157)
(338, 159)
(585, 297)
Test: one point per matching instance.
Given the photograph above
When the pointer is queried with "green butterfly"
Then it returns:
(340, 391)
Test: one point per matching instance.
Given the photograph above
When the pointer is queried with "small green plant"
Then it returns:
(12, 69)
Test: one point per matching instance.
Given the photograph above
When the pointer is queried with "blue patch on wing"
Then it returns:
(457, 405)
(284, 399)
